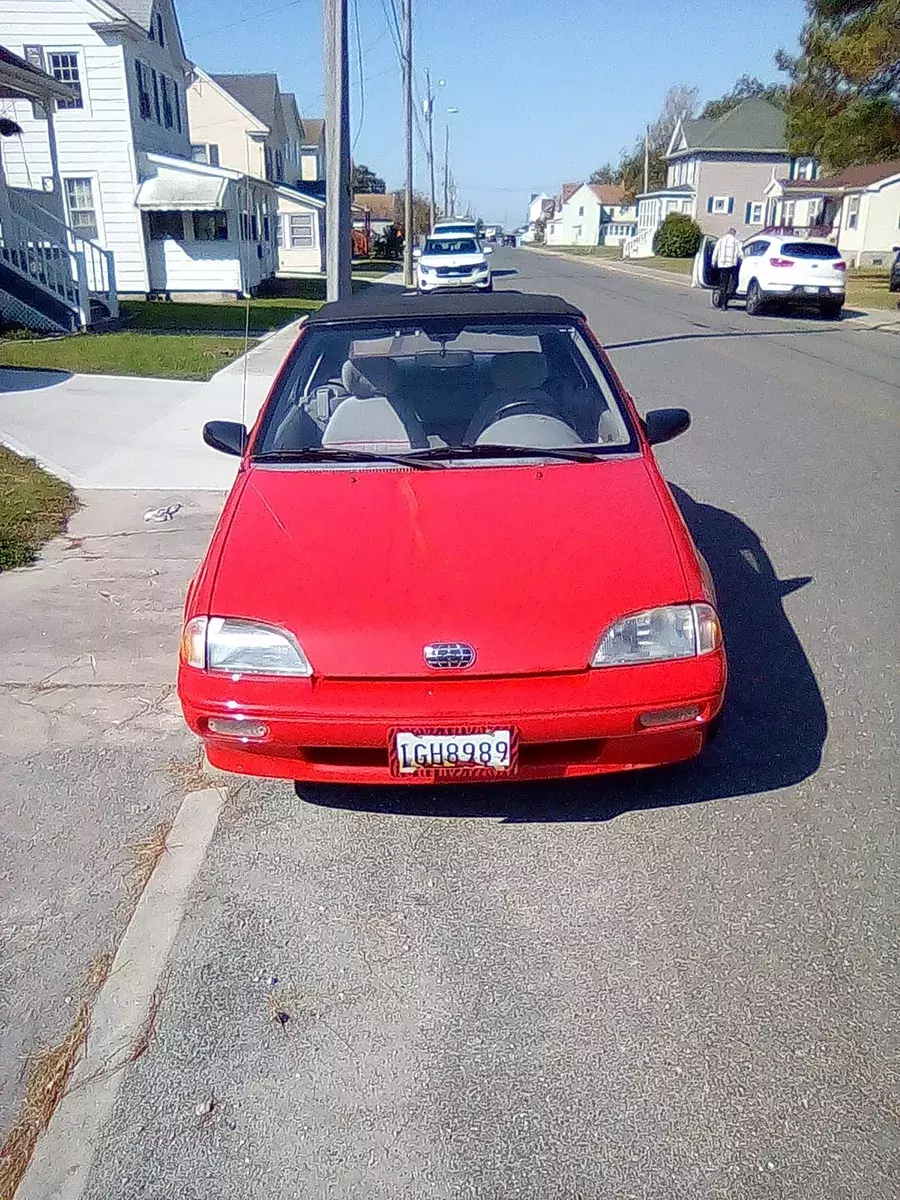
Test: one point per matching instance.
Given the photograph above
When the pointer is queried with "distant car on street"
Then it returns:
(457, 225)
(894, 284)
(775, 267)
(449, 260)
(449, 555)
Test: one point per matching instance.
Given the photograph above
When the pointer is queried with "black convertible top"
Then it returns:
(390, 302)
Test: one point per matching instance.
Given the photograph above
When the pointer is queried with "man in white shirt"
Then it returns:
(727, 257)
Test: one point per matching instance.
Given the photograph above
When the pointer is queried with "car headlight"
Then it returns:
(242, 647)
(659, 634)
(425, 270)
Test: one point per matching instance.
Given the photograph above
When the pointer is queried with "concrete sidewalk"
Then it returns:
(110, 431)
(870, 318)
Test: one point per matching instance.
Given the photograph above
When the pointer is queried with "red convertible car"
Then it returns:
(449, 554)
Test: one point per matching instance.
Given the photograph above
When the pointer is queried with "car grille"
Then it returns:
(456, 272)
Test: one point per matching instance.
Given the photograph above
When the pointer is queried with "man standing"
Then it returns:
(727, 257)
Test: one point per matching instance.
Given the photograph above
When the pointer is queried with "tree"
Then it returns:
(421, 213)
(680, 103)
(605, 174)
(363, 179)
(748, 87)
(843, 105)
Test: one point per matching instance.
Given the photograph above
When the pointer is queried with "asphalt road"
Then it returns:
(671, 985)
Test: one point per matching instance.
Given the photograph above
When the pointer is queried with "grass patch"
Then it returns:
(34, 507)
(678, 266)
(375, 266)
(163, 356)
(225, 316)
(587, 251)
(867, 287)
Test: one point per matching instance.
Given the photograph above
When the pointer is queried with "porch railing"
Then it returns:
(42, 238)
(822, 232)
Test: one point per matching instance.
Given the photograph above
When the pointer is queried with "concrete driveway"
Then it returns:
(106, 431)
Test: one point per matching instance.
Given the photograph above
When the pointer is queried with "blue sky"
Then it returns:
(546, 89)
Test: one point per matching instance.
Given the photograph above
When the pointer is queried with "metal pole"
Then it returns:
(647, 159)
(447, 169)
(408, 107)
(337, 151)
(430, 113)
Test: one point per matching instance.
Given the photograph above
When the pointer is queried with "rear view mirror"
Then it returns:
(228, 436)
(663, 424)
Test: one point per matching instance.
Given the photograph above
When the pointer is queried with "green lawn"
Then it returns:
(34, 507)
(680, 266)
(867, 287)
(226, 316)
(161, 355)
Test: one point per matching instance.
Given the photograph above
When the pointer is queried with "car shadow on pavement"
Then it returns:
(30, 379)
(500, 273)
(771, 736)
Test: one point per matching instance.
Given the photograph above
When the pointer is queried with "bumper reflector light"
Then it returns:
(237, 727)
(669, 716)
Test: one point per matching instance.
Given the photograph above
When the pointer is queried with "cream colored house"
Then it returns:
(858, 207)
(246, 123)
(593, 214)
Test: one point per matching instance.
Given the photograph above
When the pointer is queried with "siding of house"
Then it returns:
(740, 177)
(217, 119)
(97, 141)
(300, 260)
(878, 225)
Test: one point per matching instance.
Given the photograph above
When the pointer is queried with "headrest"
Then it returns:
(518, 371)
(368, 377)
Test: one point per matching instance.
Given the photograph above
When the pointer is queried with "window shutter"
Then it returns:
(731, 204)
(747, 212)
(709, 204)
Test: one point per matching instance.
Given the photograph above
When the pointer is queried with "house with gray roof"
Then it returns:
(718, 171)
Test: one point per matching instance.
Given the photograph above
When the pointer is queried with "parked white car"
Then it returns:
(457, 225)
(453, 261)
(776, 267)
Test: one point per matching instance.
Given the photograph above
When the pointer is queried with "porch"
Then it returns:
(652, 210)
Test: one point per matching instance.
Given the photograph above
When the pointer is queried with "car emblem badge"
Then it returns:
(449, 654)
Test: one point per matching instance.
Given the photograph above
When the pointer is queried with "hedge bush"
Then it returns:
(677, 237)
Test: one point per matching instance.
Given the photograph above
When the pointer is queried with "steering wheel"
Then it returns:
(508, 410)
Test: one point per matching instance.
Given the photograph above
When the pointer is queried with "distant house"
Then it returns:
(382, 210)
(858, 207)
(592, 214)
(541, 208)
(246, 123)
(718, 171)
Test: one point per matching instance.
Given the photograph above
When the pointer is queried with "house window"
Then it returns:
(168, 113)
(80, 203)
(144, 101)
(803, 168)
(301, 231)
(211, 226)
(720, 204)
(64, 67)
(754, 212)
(787, 212)
(279, 233)
(158, 24)
(156, 111)
(166, 225)
(177, 100)
(249, 227)
(205, 152)
(581, 211)
(852, 212)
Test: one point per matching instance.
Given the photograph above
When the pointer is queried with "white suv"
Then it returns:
(777, 267)
(453, 261)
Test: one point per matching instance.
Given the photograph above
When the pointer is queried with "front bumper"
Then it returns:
(337, 731)
(434, 283)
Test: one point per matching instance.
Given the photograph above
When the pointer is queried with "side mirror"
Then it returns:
(663, 424)
(417, 253)
(228, 436)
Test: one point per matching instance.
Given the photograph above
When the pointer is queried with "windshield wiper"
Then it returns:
(486, 450)
(335, 454)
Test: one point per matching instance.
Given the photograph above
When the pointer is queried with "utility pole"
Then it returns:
(408, 107)
(647, 158)
(337, 151)
(429, 113)
(447, 169)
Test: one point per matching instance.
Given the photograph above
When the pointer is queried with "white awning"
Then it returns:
(182, 191)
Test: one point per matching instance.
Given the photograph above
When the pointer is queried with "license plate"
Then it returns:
(814, 291)
(453, 752)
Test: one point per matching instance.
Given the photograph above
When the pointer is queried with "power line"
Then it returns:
(362, 82)
(243, 21)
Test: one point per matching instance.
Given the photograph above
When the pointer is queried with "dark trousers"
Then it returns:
(728, 278)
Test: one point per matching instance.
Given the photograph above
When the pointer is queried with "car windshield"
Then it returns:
(454, 389)
(810, 250)
(450, 245)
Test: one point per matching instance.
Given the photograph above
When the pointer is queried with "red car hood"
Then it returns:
(528, 565)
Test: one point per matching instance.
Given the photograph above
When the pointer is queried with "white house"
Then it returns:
(592, 215)
(540, 208)
(858, 207)
(127, 122)
(246, 123)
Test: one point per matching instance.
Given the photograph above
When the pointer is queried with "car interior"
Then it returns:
(411, 392)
